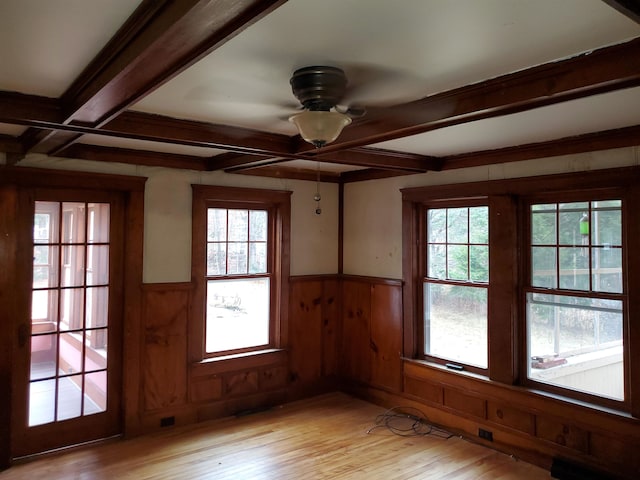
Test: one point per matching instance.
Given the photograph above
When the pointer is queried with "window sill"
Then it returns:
(240, 361)
(461, 379)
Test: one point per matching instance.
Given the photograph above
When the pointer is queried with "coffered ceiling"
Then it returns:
(204, 84)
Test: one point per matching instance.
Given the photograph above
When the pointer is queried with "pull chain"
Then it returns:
(317, 196)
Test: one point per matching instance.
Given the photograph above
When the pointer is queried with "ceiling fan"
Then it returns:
(320, 90)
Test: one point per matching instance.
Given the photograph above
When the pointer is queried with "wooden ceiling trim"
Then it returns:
(230, 160)
(135, 157)
(153, 47)
(382, 159)
(186, 132)
(9, 144)
(604, 70)
(22, 109)
(607, 140)
(371, 174)
(292, 174)
(629, 8)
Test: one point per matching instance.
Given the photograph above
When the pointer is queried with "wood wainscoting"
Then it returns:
(532, 425)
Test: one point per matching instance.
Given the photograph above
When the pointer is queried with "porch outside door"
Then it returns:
(68, 388)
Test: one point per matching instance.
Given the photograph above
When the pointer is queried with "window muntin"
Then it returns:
(455, 287)
(574, 305)
(238, 278)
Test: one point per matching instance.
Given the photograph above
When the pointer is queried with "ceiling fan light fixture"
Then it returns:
(320, 127)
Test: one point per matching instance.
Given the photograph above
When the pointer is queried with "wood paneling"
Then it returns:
(426, 392)
(241, 383)
(356, 315)
(562, 433)
(205, 389)
(464, 404)
(165, 316)
(385, 338)
(305, 330)
(511, 417)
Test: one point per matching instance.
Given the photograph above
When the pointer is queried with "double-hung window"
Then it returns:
(574, 296)
(240, 266)
(455, 284)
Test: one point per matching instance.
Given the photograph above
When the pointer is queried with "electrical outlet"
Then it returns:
(485, 434)
(167, 421)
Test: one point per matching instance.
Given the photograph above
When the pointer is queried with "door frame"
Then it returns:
(17, 187)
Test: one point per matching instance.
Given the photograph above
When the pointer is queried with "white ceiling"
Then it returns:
(404, 50)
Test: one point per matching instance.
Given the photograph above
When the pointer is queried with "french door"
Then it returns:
(68, 383)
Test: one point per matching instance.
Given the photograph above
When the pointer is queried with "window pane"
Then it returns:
(95, 398)
(543, 267)
(237, 314)
(478, 225)
(574, 268)
(238, 225)
(216, 259)
(71, 308)
(457, 262)
(69, 397)
(95, 350)
(607, 270)
(543, 227)
(216, 224)
(45, 226)
(456, 323)
(576, 343)
(237, 258)
(257, 258)
(569, 233)
(70, 354)
(44, 305)
(258, 226)
(606, 228)
(437, 225)
(436, 262)
(479, 263)
(457, 225)
(43, 356)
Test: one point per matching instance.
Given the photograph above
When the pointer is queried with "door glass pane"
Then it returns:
(72, 266)
(97, 307)
(43, 356)
(44, 306)
(46, 222)
(73, 222)
(69, 397)
(95, 350)
(72, 308)
(70, 357)
(42, 404)
(98, 223)
(45, 266)
(97, 264)
(95, 385)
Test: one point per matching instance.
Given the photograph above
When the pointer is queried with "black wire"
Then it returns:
(408, 422)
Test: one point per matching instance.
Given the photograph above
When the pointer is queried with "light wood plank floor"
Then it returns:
(320, 438)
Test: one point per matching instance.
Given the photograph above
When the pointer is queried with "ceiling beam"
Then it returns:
(135, 157)
(604, 70)
(161, 39)
(629, 8)
(292, 174)
(381, 159)
(590, 142)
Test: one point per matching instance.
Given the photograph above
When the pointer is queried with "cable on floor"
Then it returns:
(408, 422)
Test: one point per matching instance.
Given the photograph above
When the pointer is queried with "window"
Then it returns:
(528, 287)
(240, 267)
(575, 307)
(455, 285)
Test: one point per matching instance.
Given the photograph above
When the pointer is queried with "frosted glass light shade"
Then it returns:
(320, 127)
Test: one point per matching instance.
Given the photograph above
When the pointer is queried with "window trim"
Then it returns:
(507, 342)
(278, 203)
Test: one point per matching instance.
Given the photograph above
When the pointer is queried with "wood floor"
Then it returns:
(320, 438)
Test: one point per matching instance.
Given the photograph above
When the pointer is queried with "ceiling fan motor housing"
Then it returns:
(319, 88)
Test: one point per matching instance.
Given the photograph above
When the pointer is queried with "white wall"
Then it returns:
(373, 209)
(167, 216)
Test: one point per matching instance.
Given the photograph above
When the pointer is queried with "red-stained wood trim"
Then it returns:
(371, 174)
(10, 144)
(291, 173)
(604, 70)
(383, 159)
(22, 109)
(44, 178)
(228, 160)
(135, 157)
(609, 139)
(373, 280)
(629, 8)
(153, 47)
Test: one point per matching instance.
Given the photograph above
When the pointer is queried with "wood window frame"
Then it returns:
(423, 266)
(507, 226)
(278, 203)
